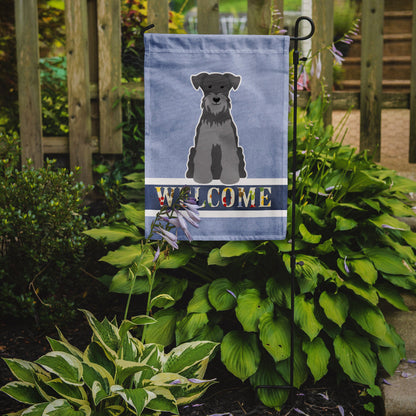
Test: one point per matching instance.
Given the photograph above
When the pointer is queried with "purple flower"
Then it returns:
(169, 237)
(157, 254)
(182, 225)
(316, 67)
(347, 269)
(231, 293)
(177, 381)
(341, 410)
(191, 217)
(386, 382)
(337, 54)
(391, 227)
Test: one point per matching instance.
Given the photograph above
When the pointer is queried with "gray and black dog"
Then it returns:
(216, 153)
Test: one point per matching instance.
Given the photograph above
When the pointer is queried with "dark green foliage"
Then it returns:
(41, 244)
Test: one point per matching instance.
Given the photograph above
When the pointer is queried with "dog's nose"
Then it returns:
(216, 99)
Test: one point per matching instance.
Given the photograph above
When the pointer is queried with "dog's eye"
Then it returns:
(222, 86)
(209, 86)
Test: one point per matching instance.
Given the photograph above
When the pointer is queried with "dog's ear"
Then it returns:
(234, 80)
(197, 79)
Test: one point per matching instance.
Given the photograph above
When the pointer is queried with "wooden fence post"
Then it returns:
(323, 16)
(208, 17)
(30, 107)
(371, 76)
(412, 138)
(79, 106)
(158, 14)
(109, 75)
(259, 15)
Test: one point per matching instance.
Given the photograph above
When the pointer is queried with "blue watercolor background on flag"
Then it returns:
(260, 112)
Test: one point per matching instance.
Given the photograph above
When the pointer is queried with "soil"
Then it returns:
(230, 397)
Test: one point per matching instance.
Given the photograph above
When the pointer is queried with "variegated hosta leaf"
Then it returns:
(152, 356)
(163, 402)
(183, 389)
(64, 346)
(190, 359)
(114, 410)
(93, 374)
(131, 348)
(35, 410)
(137, 399)
(128, 368)
(105, 332)
(240, 353)
(96, 354)
(74, 394)
(24, 370)
(266, 375)
(64, 365)
(23, 391)
(127, 325)
(61, 407)
(250, 307)
(318, 357)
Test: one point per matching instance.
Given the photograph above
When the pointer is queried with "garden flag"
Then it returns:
(216, 113)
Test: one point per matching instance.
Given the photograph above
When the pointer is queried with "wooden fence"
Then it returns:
(94, 73)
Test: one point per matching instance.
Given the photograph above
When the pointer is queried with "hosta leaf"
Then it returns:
(356, 358)
(397, 207)
(318, 357)
(23, 391)
(139, 320)
(163, 402)
(24, 370)
(387, 261)
(127, 368)
(98, 379)
(389, 358)
(64, 346)
(306, 270)
(316, 213)
(309, 237)
(266, 375)
(275, 336)
(215, 259)
(64, 365)
(115, 232)
(305, 316)
(365, 269)
(219, 294)
(35, 410)
(240, 354)
(95, 353)
(122, 282)
(170, 286)
(370, 319)
(325, 248)
(125, 255)
(212, 333)
(344, 224)
(405, 282)
(177, 258)
(190, 326)
(279, 291)
(137, 399)
(199, 302)
(114, 410)
(190, 359)
(300, 368)
(136, 216)
(389, 293)
(335, 306)
(73, 394)
(362, 181)
(250, 307)
(389, 222)
(61, 407)
(163, 331)
(362, 289)
(237, 248)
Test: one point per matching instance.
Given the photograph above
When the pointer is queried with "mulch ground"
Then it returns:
(20, 339)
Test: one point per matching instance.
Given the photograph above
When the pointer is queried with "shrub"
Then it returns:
(351, 252)
(116, 374)
(41, 245)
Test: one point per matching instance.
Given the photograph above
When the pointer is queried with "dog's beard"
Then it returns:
(216, 112)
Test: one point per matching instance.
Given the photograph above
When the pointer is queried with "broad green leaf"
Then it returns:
(190, 326)
(24, 370)
(237, 248)
(306, 270)
(402, 184)
(139, 320)
(405, 282)
(161, 300)
(163, 402)
(335, 306)
(325, 248)
(397, 207)
(316, 213)
(23, 391)
(279, 291)
(389, 222)
(389, 293)
(199, 302)
(370, 319)
(114, 410)
(365, 269)
(372, 204)
(212, 333)
(74, 394)
(136, 216)
(64, 365)
(240, 354)
(285, 247)
(190, 359)
(305, 316)
(266, 375)
(409, 237)
(275, 336)
(171, 286)
(300, 368)
(137, 399)
(95, 353)
(389, 358)
(122, 282)
(131, 348)
(363, 181)
(344, 224)
(219, 294)
(356, 358)
(215, 259)
(250, 307)
(177, 258)
(125, 255)
(387, 261)
(318, 357)
(98, 379)
(362, 289)
(163, 331)
(114, 233)
(307, 236)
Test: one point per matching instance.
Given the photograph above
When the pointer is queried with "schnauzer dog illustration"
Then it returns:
(216, 153)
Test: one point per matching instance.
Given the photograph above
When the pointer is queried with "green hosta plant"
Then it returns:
(115, 375)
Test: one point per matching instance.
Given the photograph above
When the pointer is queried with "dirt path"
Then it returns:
(395, 127)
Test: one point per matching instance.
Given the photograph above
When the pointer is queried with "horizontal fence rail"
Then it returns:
(94, 72)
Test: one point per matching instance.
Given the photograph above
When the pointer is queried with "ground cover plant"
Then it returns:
(352, 252)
